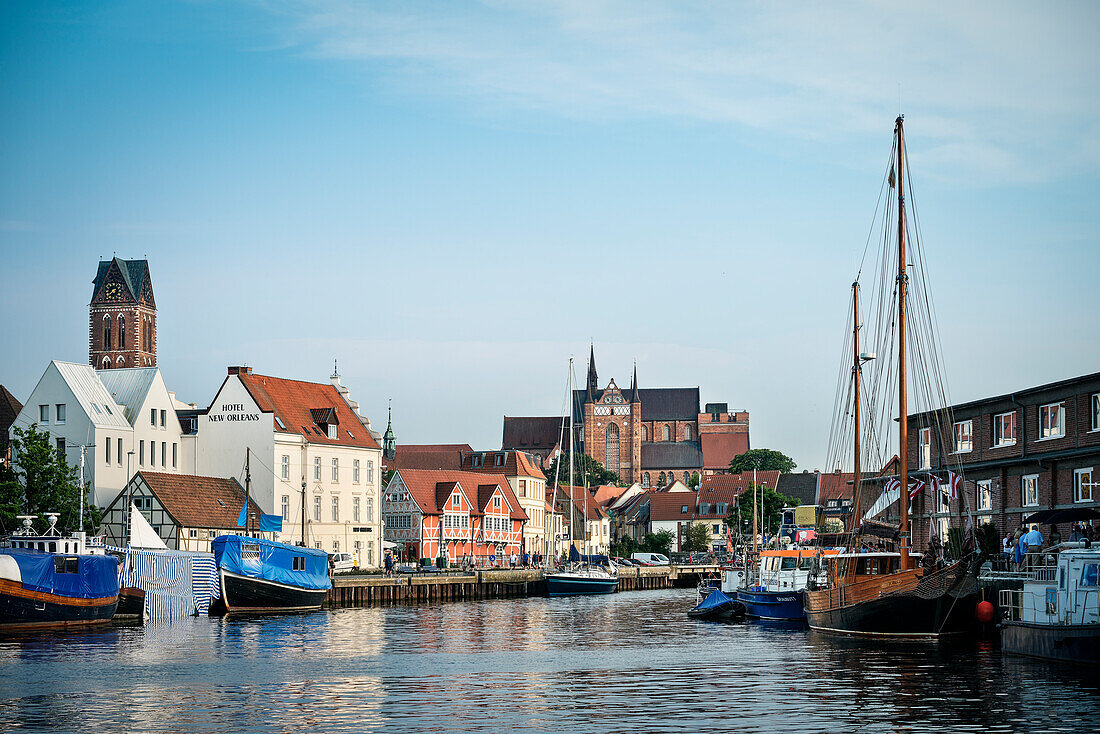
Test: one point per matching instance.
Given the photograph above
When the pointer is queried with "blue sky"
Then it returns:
(453, 198)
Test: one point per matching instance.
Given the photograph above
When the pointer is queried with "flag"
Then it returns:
(937, 484)
(729, 541)
(892, 177)
(892, 485)
(241, 519)
(955, 482)
(914, 489)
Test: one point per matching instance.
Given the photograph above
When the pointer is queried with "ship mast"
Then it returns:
(572, 508)
(903, 407)
(856, 469)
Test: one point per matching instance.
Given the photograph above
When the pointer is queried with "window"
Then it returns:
(985, 494)
(1094, 410)
(683, 509)
(456, 501)
(331, 430)
(153, 417)
(611, 447)
(1082, 485)
(119, 456)
(141, 453)
(499, 461)
(317, 509)
(121, 331)
(59, 414)
(496, 503)
(1004, 429)
(107, 332)
(687, 433)
(162, 418)
(108, 451)
(336, 509)
(355, 509)
(714, 530)
(1029, 490)
(370, 552)
(1052, 420)
(370, 472)
(285, 466)
(661, 479)
(286, 507)
(335, 469)
(720, 508)
(477, 460)
(924, 448)
(174, 452)
(964, 432)
(163, 454)
(355, 471)
(523, 488)
(44, 414)
(370, 509)
(317, 468)
(645, 479)
(704, 508)
(665, 434)
(61, 448)
(645, 433)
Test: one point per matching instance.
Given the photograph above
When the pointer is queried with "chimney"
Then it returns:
(241, 370)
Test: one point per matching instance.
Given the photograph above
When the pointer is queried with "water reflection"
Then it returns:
(632, 661)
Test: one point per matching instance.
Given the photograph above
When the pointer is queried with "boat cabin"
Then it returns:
(25, 538)
(785, 570)
(1064, 589)
(868, 564)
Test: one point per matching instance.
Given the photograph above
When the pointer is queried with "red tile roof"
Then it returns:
(199, 502)
(594, 511)
(293, 402)
(835, 486)
(739, 482)
(608, 493)
(429, 456)
(720, 448)
(516, 463)
(425, 487)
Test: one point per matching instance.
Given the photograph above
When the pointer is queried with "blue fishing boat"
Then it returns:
(49, 581)
(262, 576)
(781, 579)
(718, 606)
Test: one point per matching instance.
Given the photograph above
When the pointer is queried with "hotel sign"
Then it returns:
(233, 412)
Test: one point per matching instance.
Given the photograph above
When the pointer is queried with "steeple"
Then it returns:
(593, 385)
(634, 384)
(389, 440)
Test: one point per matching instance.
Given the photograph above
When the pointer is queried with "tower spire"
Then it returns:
(634, 383)
(593, 384)
(389, 440)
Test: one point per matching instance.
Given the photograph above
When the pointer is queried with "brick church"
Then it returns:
(122, 316)
(653, 436)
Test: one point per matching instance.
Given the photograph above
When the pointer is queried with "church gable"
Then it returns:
(112, 286)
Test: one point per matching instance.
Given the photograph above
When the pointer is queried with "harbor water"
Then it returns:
(626, 662)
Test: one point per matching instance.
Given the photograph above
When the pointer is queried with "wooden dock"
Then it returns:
(353, 590)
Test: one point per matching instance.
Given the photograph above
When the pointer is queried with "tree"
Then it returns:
(696, 538)
(623, 548)
(762, 460)
(659, 542)
(582, 464)
(695, 480)
(769, 510)
(41, 481)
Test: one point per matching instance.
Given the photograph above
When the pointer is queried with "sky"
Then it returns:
(451, 199)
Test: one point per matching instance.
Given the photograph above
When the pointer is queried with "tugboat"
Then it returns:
(261, 576)
(1057, 613)
(49, 581)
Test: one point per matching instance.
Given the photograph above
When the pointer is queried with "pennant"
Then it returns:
(729, 541)
(914, 489)
(937, 484)
(954, 481)
(893, 484)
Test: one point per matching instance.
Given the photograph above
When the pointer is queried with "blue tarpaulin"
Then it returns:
(575, 556)
(716, 599)
(271, 523)
(94, 577)
(265, 559)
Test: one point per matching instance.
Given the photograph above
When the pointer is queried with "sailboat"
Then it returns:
(886, 593)
(583, 577)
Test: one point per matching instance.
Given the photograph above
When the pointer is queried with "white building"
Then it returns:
(311, 458)
(125, 419)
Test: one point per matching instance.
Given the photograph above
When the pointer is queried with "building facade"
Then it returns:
(528, 483)
(1034, 449)
(122, 316)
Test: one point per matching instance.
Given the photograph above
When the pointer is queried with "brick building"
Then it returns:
(122, 316)
(1030, 450)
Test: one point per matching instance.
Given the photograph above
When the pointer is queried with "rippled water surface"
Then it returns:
(627, 662)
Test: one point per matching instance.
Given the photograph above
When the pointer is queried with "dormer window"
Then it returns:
(477, 459)
(331, 430)
(500, 460)
(326, 422)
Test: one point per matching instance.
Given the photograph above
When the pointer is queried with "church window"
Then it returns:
(611, 447)
(645, 433)
(666, 435)
(106, 332)
(661, 479)
(645, 480)
(687, 478)
(687, 433)
(106, 363)
(121, 331)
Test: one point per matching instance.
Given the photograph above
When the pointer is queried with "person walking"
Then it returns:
(389, 564)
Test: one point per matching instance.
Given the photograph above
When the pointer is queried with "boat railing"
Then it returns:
(1039, 566)
(1011, 604)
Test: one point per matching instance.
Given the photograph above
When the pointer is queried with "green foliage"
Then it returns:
(762, 460)
(769, 510)
(696, 538)
(582, 464)
(659, 542)
(695, 480)
(42, 481)
(623, 548)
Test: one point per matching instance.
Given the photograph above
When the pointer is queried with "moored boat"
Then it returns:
(581, 581)
(261, 576)
(717, 607)
(49, 581)
(781, 579)
(1057, 613)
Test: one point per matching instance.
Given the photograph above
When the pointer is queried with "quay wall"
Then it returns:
(421, 588)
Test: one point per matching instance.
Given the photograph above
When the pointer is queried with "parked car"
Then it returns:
(342, 562)
(623, 561)
(651, 559)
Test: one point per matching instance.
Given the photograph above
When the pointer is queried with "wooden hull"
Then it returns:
(903, 604)
(131, 605)
(25, 609)
(1078, 643)
(244, 595)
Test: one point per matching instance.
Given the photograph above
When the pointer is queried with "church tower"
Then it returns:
(122, 316)
(389, 439)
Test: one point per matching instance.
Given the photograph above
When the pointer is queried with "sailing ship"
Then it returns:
(49, 581)
(586, 575)
(885, 593)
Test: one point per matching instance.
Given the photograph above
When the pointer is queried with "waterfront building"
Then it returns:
(1025, 451)
(456, 515)
(597, 523)
(652, 436)
(122, 316)
(186, 511)
(312, 457)
(125, 420)
(528, 483)
(443, 456)
(9, 409)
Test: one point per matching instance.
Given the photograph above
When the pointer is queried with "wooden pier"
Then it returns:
(429, 588)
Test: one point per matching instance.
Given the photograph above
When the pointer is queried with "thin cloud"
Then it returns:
(1000, 79)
